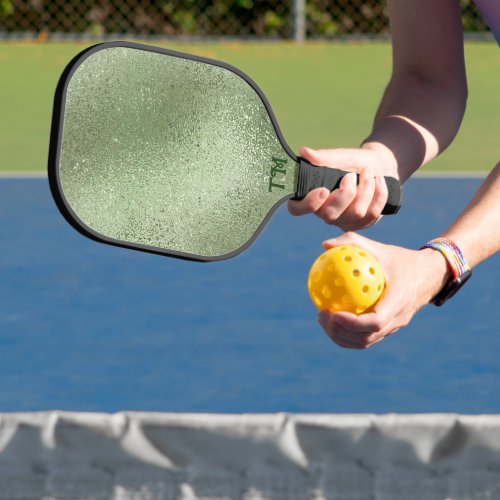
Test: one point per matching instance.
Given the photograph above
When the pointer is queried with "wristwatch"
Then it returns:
(460, 270)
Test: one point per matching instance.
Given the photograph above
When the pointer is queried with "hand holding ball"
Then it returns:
(346, 278)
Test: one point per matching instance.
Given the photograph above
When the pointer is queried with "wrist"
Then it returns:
(386, 157)
(437, 272)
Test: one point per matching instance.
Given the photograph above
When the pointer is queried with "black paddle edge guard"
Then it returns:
(55, 148)
(312, 177)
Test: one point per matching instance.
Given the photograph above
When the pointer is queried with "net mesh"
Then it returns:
(206, 18)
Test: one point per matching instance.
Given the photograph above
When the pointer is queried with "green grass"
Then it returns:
(323, 94)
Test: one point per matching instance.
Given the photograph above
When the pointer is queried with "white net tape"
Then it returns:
(160, 456)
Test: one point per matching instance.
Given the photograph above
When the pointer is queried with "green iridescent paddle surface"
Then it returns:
(168, 153)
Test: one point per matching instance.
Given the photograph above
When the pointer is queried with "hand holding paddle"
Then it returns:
(360, 199)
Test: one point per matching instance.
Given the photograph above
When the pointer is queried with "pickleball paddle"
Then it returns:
(172, 153)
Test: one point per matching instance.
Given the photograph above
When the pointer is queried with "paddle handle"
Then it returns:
(311, 177)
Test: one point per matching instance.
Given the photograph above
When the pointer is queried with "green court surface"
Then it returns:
(323, 94)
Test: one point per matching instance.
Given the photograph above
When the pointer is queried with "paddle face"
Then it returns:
(166, 152)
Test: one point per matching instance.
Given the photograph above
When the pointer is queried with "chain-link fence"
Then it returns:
(207, 18)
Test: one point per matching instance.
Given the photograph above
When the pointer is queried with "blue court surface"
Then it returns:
(90, 327)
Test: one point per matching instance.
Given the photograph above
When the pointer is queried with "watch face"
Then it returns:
(451, 288)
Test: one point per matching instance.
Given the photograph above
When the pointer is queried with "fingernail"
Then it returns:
(324, 194)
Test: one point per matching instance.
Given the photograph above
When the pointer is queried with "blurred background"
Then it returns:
(324, 89)
(278, 19)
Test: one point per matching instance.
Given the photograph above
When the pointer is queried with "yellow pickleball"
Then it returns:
(346, 278)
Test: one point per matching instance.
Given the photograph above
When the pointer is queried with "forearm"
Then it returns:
(477, 230)
(416, 120)
(424, 103)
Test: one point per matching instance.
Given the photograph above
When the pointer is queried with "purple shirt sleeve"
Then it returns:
(490, 9)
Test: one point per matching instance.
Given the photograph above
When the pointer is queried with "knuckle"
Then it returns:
(358, 211)
(365, 344)
(378, 325)
(381, 186)
(329, 215)
(349, 190)
(373, 213)
(330, 219)
(348, 186)
(367, 177)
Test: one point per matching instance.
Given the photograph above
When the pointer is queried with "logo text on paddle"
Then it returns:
(277, 168)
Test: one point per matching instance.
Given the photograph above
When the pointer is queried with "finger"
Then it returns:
(311, 203)
(380, 196)
(348, 338)
(339, 334)
(312, 156)
(366, 209)
(362, 324)
(362, 340)
(341, 340)
(338, 157)
(365, 191)
(344, 344)
(353, 341)
(338, 201)
(348, 238)
(384, 319)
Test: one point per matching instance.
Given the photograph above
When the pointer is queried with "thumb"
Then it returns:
(310, 155)
(349, 238)
(352, 159)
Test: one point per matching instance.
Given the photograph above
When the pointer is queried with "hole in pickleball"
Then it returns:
(348, 258)
(379, 287)
(317, 300)
(346, 299)
(362, 254)
(317, 276)
(360, 309)
(339, 281)
(366, 289)
(356, 273)
(327, 293)
(372, 270)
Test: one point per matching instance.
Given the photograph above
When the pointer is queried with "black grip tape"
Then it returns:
(312, 177)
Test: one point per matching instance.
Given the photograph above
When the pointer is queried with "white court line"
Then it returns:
(23, 175)
(454, 174)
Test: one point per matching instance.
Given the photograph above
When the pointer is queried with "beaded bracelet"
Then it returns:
(460, 269)
(452, 254)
